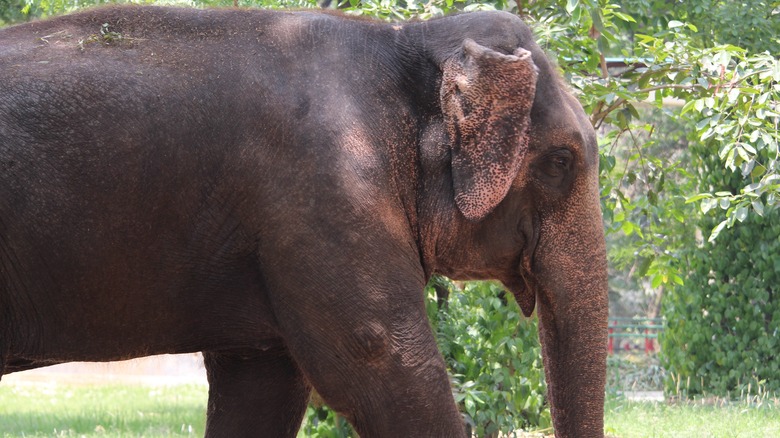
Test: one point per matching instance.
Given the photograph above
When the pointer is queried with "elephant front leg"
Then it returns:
(375, 363)
(254, 394)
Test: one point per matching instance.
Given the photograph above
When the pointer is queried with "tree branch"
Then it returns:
(597, 118)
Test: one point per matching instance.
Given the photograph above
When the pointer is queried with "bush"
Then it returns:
(723, 333)
(321, 422)
(494, 357)
(634, 372)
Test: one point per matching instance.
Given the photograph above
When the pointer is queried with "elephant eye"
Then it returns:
(557, 164)
(555, 169)
(561, 163)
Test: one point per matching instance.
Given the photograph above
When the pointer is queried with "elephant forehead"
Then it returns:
(546, 138)
(565, 127)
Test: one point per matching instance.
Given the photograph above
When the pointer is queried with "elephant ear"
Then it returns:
(486, 100)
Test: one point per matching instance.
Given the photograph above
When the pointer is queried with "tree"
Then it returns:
(751, 24)
(725, 335)
(11, 11)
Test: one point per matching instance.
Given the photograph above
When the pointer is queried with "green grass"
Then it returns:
(49, 410)
(92, 411)
(693, 419)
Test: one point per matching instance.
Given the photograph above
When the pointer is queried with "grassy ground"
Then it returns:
(48, 410)
(693, 419)
(754, 416)
(92, 411)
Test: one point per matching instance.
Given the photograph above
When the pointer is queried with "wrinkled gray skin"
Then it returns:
(275, 189)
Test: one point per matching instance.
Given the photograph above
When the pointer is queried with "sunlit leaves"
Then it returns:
(494, 357)
(726, 324)
(740, 112)
(729, 95)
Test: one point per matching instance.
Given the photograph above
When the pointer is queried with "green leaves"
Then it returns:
(675, 23)
(494, 358)
(716, 231)
(729, 101)
(724, 322)
(740, 115)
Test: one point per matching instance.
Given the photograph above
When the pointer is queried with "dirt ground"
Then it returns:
(165, 369)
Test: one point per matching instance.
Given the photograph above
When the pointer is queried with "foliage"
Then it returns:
(741, 116)
(494, 358)
(321, 422)
(729, 95)
(726, 334)
(718, 21)
(11, 11)
(723, 331)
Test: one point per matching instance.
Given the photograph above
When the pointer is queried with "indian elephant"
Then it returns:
(275, 189)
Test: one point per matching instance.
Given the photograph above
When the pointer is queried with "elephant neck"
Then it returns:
(435, 201)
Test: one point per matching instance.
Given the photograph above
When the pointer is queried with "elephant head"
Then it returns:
(524, 203)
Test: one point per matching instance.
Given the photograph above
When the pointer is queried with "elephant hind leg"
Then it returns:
(254, 393)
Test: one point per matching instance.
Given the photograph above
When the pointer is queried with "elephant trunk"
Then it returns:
(573, 308)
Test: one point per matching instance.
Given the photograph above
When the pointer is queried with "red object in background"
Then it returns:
(611, 340)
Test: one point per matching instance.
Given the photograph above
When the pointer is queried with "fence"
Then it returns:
(634, 329)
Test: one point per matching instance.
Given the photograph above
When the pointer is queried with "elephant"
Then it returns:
(275, 188)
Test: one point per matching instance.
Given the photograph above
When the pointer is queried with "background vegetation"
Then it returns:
(688, 117)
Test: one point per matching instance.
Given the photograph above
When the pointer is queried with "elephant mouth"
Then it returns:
(524, 284)
(524, 287)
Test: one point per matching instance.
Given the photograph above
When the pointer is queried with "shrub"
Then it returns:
(723, 333)
(634, 372)
(494, 357)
